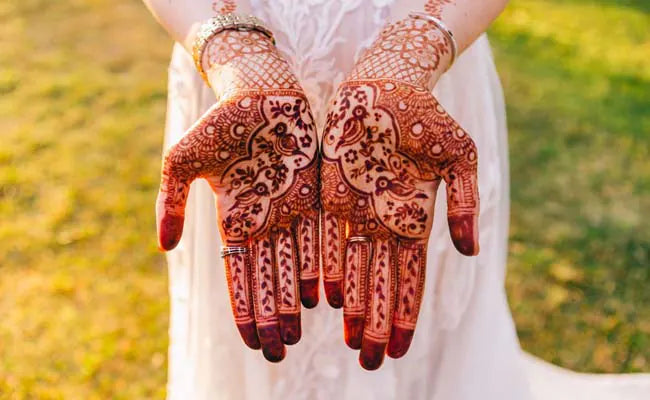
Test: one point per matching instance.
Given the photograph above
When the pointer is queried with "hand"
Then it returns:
(387, 145)
(257, 149)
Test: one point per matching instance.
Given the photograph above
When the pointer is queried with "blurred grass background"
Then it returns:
(83, 291)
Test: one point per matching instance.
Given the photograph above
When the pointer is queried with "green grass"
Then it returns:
(577, 83)
(83, 291)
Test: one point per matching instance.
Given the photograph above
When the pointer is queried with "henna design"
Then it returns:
(409, 50)
(333, 253)
(309, 269)
(411, 261)
(257, 148)
(386, 147)
(354, 303)
(224, 6)
(379, 311)
(241, 298)
(246, 60)
(434, 7)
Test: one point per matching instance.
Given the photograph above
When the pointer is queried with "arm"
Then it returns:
(467, 19)
(181, 18)
(387, 146)
(257, 148)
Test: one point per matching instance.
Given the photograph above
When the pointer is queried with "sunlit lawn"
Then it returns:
(83, 291)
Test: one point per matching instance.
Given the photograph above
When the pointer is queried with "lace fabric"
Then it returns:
(465, 346)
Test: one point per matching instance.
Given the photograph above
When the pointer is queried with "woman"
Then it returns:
(358, 73)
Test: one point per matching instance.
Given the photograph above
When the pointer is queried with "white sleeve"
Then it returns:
(181, 18)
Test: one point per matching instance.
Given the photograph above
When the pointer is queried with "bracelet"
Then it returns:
(445, 31)
(220, 23)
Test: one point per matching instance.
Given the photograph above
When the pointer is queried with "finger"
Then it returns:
(462, 197)
(180, 168)
(411, 263)
(379, 315)
(357, 256)
(286, 259)
(308, 243)
(333, 253)
(266, 314)
(241, 298)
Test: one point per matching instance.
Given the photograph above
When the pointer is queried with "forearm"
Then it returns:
(181, 18)
(467, 19)
(419, 51)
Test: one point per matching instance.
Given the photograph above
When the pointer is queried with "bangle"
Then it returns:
(442, 28)
(220, 23)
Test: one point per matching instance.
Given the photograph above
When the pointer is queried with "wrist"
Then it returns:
(229, 22)
(230, 46)
(245, 60)
(411, 50)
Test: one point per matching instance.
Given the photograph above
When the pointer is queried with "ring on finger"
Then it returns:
(353, 239)
(229, 250)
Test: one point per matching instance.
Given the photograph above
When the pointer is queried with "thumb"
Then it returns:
(463, 199)
(179, 170)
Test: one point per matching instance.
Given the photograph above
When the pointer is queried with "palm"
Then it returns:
(257, 149)
(386, 147)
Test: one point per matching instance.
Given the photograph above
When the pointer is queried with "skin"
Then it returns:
(257, 147)
(387, 145)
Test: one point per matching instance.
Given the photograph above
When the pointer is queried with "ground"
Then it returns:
(82, 100)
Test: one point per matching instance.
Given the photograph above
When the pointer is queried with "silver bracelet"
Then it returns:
(445, 31)
(219, 24)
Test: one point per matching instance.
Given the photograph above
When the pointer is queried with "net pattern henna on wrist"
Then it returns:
(408, 50)
(247, 59)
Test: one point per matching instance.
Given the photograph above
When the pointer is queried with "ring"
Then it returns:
(353, 239)
(229, 250)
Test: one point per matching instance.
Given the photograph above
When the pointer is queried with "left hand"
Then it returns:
(257, 148)
(386, 146)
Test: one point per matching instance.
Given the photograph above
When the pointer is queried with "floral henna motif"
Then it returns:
(409, 50)
(434, 7)
(257, 149)
(224, 6)
(387, 145)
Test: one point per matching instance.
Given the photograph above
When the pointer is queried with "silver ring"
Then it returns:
(230, 250)
(353, 239)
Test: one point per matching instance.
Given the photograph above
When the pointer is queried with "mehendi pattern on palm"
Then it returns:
(387, 145)
(257, 147)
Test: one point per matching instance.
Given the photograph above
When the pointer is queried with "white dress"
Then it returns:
(465, 345)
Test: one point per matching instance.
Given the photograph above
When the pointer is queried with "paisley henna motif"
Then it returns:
(387, 145)
(257, 148)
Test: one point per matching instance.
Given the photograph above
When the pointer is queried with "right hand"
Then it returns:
(387, 145)
(257, 147)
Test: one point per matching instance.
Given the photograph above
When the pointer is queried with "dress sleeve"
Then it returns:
(181, 18)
